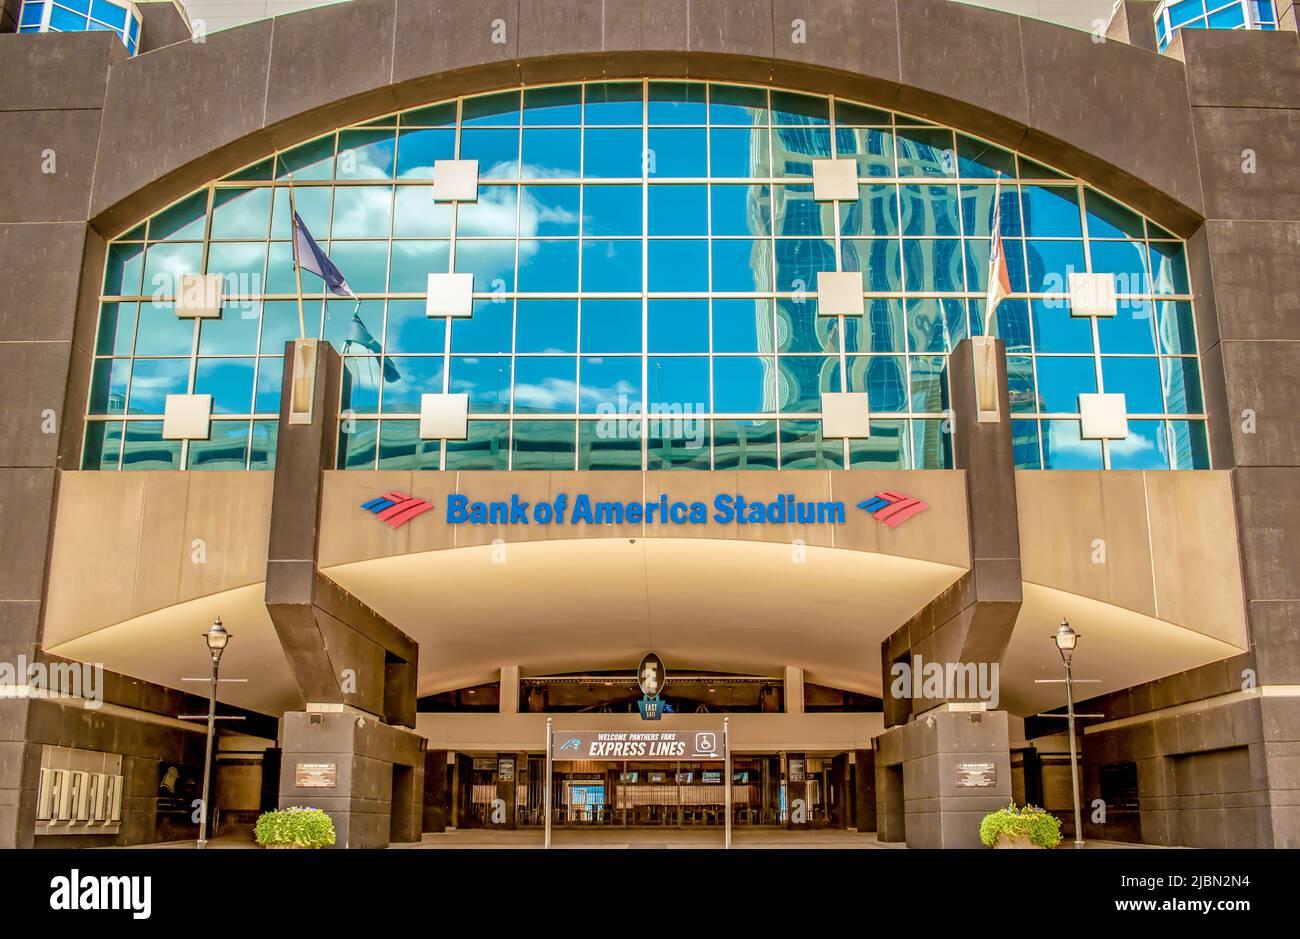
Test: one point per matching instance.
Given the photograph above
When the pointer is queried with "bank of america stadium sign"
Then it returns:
(889, 508)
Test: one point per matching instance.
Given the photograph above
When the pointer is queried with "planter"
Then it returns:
(1016, 840)
(1025, 827)
(297, 827)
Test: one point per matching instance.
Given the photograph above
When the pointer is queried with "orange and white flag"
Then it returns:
(999, 279)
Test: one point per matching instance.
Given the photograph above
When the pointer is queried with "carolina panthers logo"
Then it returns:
(573, 743)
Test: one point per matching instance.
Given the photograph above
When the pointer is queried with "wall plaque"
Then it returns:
(315, 775)
(506, 769)
(976, 775)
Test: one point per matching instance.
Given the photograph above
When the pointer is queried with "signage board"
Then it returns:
(315, 775)
(638, 745)
(976, 775)
(506, 769)
(796, 771)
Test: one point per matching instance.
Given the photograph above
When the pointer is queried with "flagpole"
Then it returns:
(297, 268)
(994, 240)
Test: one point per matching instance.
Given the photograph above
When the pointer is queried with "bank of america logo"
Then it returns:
(395, 509)
(893, 508)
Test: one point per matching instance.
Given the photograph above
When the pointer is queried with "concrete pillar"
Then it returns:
(437, 791)
(1134, 22)
(864, 790)
(509, 690)
(793, 689)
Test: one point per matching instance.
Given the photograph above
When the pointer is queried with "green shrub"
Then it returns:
(1043, 830)
(299, 826)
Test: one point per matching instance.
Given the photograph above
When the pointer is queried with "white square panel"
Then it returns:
(1103, 416)
(846, 415)
(444, 416)
(187, 417)
(1092, 295)
(839, 294)
(835, 179)
(455, 180)
(450, 295)
(199, 296)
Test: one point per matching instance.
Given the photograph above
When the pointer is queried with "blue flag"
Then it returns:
(312, 258)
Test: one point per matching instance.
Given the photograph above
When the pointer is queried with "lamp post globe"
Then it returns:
(1066, 639)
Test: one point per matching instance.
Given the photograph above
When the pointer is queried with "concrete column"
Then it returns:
(793, 689)
(864, 789)
(437, 791)
(1134, 22)
(509, 690)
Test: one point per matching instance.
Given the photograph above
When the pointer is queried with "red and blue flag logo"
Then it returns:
(893, 508)
(395, 509)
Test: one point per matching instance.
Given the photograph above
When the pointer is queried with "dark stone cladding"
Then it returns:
(181, 115)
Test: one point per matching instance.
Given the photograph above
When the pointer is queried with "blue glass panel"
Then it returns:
(803, 447)
(357, 441)
(795, 212)
(1020, 384)
(546, 326)
(977, 159)
(742, 325)
(1191, 445)
(561, 104)
(491, 262)
(542, 445)
(737, 104)
(1024, 445)
(414, 261)
(241, 213)
(874, 213)
(1051, 263)
(1131, 329)
(614, 103)
(612, 153)
(496, 149)
(930, 211)
(229, 381)
(144, 448)
(1126, 260)
(546, 384)
(548, 266)
(977, 264)
(795, 109)
(549, 210)
(1138, 379)
(363, 263)
(609, 444)
(242, 263)
(280, 323)
(123, 270)
(494, 215)
(551, 153)
(1065, 448)
(880, 329)
(795, 148)
(311, 160)
(152, 380)
(366, 154)
(678, 384)
(609, 384)
(486, 447)
(313, 205)
(677, 152)
(1010, 323)
(738, 153)
(744, 385)
(1176, 327)
(1184, 12)
(162, 332)
(1055, 330)
(611, 210)
(925, 152)
(800, 329)
(1145, 448)
(116, 328)
(31, 16)
(109, 13)
(165, 263)
(881, 259)
(361, 381)
(611, 326)
(1061, 379)
(103, 446)
(405, 379)
(678, 266)
(872, 150)
(486, 379)
(931, 445)
(676, 103)
(933, 265)
(225, 449)
(400, 447)
(1108, 219)
(1182, 386)
(742, 266)
(928, 324)
(611, 266)
(235, 332)
(65, 21)
(678, 210)
(108, 386)
(488, 330)
(1168, 269)
(929, 380)
(802, 379)
(678, 326)
(1230, 17)
(408, 329)
(977, 211)
(270, 379)
(742, 210)
(491, 110)
(418, 150)
(886, 448)
(798, 260)
(677, 444)
(1052, 211)
(744, 445)
(438, 115)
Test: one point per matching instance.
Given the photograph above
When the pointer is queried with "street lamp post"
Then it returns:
(1066, 639)
(216, 639)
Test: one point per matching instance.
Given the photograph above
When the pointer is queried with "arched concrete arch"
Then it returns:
(182, 115)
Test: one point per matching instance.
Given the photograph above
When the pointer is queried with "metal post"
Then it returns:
(726, 775)
(1074, 760)
(297, 268)
(546, 794)
(207, 757)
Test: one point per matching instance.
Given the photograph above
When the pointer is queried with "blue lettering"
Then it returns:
(456, 514)
(724, 514)
(518, 510)
(582, 510)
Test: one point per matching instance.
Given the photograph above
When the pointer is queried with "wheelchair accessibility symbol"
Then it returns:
(706, 744)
